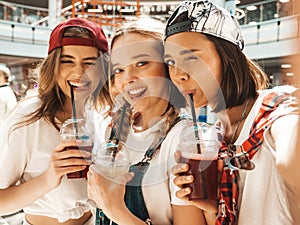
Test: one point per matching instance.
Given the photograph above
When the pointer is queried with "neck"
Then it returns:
(148, 118)
(67, 113)
(233, 120)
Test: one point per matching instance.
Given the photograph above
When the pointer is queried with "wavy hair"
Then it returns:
(52, 97)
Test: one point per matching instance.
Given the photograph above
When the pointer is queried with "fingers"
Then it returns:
(183, 180)
(184, 193)
(177, 156)
(180, 168)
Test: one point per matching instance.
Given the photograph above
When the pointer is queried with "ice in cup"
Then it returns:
(111, 159)
(78, 129)
(201, 155)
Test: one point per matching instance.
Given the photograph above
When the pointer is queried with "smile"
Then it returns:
(79, 85)
(137, 92)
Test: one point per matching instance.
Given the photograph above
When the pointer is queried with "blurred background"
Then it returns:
(270, 29)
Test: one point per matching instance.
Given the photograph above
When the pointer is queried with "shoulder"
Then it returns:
(28, 105)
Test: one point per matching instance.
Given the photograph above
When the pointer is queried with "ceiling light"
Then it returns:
(289, 74)
(95, 10)
(284, 1)
(252, 23)
(251, 8)
(237, 2)
(286, 66)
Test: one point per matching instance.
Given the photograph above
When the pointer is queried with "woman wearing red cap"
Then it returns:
(258, 181)
(33, 162)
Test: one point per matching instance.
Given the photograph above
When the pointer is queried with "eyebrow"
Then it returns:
(183, 52)
(71, 57)
(140, 56)
(134, 57)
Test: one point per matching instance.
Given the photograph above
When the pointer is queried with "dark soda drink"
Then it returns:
(205, 178)
(81, 173)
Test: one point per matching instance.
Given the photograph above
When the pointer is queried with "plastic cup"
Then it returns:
(199, 147)
(77, 129)
(203, 167)
(111, 160)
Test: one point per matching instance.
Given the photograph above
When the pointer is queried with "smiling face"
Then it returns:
(194, 66)
(79, 67)
(138, 71)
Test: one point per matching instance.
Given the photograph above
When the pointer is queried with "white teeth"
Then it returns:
(78, 84)
(137, 91)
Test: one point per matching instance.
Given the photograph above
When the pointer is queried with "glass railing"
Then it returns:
(251, 14)
(266, 10)
(22, 14)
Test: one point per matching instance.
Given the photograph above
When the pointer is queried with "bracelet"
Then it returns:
(148, 221)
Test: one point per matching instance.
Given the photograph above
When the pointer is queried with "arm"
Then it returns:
(285, 132)
(188, 214)
(17, 197)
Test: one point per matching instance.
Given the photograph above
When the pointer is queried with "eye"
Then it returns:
(191, 58)
(117, 71)
(139, 64)
(170, 62)
(90, 63)
(64, 61)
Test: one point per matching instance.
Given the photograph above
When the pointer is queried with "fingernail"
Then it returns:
(189, 178)
(183, 166)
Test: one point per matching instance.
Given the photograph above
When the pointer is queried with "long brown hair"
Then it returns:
(52, 98)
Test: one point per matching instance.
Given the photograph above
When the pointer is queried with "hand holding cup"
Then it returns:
(77, 129)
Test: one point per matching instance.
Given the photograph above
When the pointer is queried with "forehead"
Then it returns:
(185, 41)
(131, 45)
(80, 50)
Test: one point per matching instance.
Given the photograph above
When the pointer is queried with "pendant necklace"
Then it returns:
(239, 122)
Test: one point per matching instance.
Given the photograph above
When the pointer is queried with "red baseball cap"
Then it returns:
(97, 39)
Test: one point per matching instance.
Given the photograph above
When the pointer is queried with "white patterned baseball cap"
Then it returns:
(205, 17)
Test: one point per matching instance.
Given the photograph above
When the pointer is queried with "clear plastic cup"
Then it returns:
(201, 154)
(78, 129)
(111, 159)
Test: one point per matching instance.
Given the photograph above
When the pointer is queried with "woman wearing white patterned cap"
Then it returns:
(203, 48)
(33, 162)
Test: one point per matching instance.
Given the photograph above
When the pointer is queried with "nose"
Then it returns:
(178, 75)
(78, 71)
(130, 75)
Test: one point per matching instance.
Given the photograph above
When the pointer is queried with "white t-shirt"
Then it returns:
(158, 188)
(264, 197)
(7, 102)
(25, 154)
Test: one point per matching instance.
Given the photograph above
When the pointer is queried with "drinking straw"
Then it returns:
(202, 175)
(123, 113)
(73, 106)
(194, 122)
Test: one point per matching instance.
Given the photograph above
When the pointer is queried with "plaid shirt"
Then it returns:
(232, 158)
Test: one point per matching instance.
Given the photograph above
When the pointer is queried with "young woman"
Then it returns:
(203, 48)
(33, 162)
(141, 77)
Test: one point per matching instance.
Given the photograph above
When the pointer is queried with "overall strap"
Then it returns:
(134, 198)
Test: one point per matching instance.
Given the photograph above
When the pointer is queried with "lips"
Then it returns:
(137, 92)
(81, 85)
